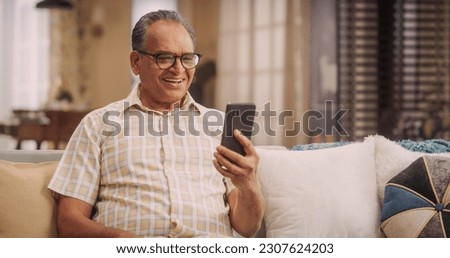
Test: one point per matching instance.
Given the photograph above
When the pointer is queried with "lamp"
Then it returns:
(57, 4)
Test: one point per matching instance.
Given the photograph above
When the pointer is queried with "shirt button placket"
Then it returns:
(167, 142)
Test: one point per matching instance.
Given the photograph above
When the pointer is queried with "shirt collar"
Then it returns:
(133, 100)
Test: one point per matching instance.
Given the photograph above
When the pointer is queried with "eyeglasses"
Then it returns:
(166, 61)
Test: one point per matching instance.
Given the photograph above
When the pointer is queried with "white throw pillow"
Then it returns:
(320, 193)
(391, 159)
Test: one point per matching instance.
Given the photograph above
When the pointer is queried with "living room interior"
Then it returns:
(362, 67)
(359, 91)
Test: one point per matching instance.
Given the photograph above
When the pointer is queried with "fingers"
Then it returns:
(244, 141)
(226, 165)
(222, 169)
(234, 161)
(234, 165)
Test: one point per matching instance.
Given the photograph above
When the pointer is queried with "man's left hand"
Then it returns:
(246, 201)
(240, 169)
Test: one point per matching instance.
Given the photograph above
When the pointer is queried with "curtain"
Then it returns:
(6, 58)
(263, 58)
(25, 46)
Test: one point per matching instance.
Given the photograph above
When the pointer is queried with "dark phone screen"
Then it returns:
(241, 117)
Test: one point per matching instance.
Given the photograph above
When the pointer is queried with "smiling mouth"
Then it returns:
(173, 80)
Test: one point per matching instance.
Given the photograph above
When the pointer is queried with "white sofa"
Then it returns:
(331, 192)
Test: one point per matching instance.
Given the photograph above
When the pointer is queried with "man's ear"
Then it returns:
(134, 62)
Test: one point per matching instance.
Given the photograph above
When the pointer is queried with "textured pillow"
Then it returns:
(417, 200)
(319, 146)
(26, 206)
(320, 193)
(426, 146)
(391, 158)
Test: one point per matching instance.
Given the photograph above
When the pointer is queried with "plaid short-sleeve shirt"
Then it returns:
(148, 172)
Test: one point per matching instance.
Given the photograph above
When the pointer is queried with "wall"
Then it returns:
(107, 50)
(204, 18)
(90, 48)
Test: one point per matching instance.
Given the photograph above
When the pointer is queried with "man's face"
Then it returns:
(161, 89)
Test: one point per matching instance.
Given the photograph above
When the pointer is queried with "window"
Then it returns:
(394, 68)
(252, 45)
(259, 61)
(24, 79)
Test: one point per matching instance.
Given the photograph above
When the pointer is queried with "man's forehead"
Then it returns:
(163, 34)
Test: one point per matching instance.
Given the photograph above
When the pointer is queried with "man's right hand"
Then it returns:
(73, 220)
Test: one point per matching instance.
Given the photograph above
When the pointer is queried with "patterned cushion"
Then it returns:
(417, 200)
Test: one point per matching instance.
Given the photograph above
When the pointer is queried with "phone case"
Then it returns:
(241, 117)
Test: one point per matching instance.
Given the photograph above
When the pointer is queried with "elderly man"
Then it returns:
(128, 171)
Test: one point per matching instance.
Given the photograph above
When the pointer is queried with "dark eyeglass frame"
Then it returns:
(157, 55)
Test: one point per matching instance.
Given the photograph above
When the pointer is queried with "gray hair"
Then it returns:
(140, 29)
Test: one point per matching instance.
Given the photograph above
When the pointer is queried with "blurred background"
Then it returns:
(318, 70)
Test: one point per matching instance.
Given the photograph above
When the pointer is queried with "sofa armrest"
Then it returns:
(32, 156)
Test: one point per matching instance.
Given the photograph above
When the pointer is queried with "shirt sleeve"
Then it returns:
(78, 172)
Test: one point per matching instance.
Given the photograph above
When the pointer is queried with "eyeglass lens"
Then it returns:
(188, 61)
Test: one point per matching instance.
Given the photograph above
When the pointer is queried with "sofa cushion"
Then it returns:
(417, 200)
(27, 208)
(320, 193)
(392, 157)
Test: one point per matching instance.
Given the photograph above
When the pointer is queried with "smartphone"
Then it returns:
(241, 117)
